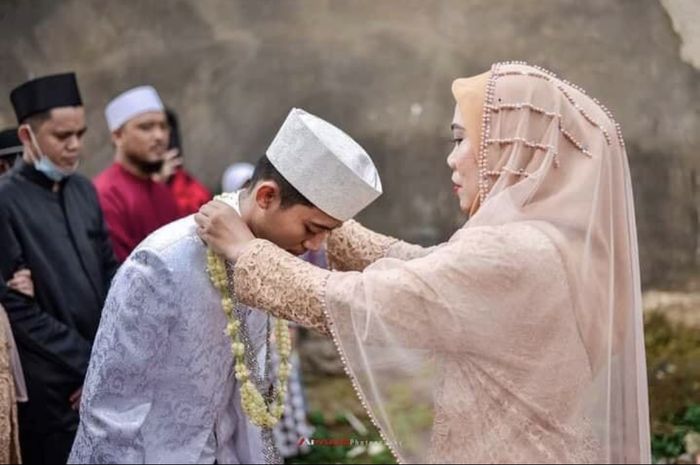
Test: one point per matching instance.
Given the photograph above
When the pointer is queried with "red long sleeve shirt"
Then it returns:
(133, 207)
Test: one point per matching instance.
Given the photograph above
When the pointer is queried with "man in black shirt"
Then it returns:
(51, 224)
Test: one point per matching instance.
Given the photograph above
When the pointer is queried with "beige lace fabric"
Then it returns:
(407, 251)
(269, 278)
(476, 400)
(9, 432)
(472, 396)
(293, 289)
(352, 247)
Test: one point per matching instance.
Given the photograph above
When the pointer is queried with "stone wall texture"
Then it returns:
(382, 69)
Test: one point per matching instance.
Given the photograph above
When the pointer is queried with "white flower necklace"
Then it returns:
(260, 412)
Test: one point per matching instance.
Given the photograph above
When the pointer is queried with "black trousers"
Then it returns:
(52, 447)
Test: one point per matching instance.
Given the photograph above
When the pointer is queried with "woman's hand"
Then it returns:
(22, 282)
(223, 229)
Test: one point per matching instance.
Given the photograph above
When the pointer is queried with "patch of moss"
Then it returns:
(673, 367)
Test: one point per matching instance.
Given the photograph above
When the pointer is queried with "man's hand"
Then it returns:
(172, 161)
(22, 282)
(223, 229)
(74, 399)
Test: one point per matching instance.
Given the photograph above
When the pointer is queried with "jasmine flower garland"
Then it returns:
(260, 413)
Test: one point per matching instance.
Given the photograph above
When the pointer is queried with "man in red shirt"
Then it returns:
(134, 204)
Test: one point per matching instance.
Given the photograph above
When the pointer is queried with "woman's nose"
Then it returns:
(451, 161)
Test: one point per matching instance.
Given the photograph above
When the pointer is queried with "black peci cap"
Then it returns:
(44, 93)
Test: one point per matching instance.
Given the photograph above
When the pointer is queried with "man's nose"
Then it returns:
(161, 134)
(74, 143)
(316, 242)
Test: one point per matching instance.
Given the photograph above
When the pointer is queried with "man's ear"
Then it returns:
(116, 137)
(267, 195)
(23, 134)
(26, 139)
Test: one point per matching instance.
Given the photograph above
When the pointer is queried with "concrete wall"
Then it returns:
(381, 70)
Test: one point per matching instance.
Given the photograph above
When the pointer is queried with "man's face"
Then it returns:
(144, 137)
(60, 137)
(296, 229)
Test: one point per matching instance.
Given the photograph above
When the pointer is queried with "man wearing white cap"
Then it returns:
(236, 176)
(134, 204)
(161, 386)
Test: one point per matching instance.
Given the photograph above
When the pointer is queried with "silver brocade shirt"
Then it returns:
(160, 387)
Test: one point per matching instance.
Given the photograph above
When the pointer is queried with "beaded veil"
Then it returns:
(564, 380)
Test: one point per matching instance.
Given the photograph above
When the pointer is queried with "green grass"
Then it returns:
(673, 366)
(337, 427)
(331, 400)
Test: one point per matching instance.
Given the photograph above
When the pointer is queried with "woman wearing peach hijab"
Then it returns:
(518, 340)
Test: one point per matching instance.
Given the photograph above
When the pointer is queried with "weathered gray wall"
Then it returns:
(381, 70)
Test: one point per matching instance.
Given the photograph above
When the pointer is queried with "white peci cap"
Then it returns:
(325, 165)
(130, 104)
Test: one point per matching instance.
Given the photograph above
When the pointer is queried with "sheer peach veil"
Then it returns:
(551, 156)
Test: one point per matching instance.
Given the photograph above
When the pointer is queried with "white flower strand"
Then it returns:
(260, 412)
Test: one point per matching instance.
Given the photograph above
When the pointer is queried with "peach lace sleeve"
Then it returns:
(352, 247)
(271, 279)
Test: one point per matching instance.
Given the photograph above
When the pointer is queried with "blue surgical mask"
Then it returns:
(45, 165)
(50, 170)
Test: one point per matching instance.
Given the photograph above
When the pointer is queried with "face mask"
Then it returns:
(46, 166)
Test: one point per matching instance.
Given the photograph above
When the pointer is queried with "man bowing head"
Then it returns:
(179, 374)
